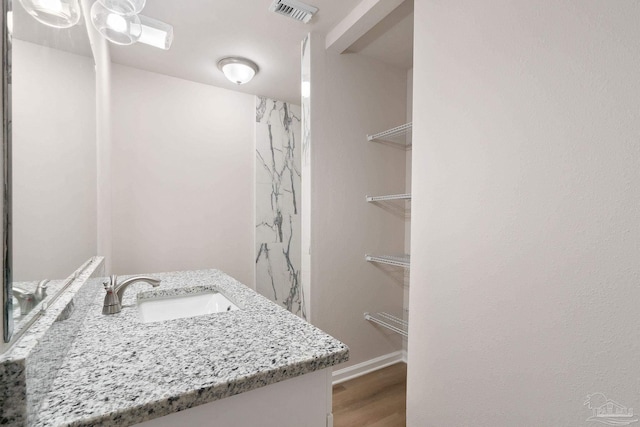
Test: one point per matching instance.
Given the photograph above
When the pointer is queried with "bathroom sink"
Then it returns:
(186, 305)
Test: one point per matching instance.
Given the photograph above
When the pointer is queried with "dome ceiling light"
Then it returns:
(238, 70)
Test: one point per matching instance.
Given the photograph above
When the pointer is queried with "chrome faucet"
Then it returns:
(27, 299)
(115, 291)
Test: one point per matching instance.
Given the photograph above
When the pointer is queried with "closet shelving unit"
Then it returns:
(400, 135)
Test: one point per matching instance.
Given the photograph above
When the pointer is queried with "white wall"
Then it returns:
(102, 58)
(352, 96)
(54, 155)
(182, 175)
(407, 223)
(526, 211)
(103, 161)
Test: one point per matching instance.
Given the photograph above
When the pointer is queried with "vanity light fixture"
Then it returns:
(155, 33)
(238, 70)
(115, 27)
(124, 7)
(118, 21)
(54, 13)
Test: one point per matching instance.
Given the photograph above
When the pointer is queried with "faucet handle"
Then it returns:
(110, 285)
(111, 301)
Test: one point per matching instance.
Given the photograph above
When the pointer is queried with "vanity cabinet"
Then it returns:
(304, 401)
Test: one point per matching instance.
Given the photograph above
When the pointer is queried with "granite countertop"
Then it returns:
(120, 371)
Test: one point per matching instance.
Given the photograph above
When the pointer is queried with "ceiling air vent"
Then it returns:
(293, 9)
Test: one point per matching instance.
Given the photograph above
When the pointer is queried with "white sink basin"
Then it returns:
(179, 306)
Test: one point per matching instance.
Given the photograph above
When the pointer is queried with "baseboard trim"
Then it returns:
(368, 366)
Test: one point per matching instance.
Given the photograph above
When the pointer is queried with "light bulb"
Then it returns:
(118, 29)
(116, 22)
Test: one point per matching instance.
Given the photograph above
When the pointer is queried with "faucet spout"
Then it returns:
(41, 290)
(115, 291)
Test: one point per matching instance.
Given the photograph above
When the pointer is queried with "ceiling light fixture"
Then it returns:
(238, 70)
(124, 7)
(54, 13)
(115, 27)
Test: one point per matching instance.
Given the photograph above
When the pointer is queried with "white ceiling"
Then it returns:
(208, 30)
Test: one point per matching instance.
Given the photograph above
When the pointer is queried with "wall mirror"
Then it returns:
(52, 162)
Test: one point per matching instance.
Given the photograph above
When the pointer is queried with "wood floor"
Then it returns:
(377, 399)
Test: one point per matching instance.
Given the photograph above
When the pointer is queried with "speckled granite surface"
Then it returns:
(121, 371)
(28, 368)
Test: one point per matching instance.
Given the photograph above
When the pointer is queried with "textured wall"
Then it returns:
(526, 207)
(278, 205)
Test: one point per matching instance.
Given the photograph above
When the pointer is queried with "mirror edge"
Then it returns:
(5, 233)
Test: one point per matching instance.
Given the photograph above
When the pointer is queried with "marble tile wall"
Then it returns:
(278, 208)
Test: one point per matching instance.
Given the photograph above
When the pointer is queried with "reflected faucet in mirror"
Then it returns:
(115, 291)
(27, 300)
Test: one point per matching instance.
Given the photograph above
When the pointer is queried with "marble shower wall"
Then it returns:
(278, 219)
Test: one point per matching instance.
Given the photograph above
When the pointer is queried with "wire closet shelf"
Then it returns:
(406, 196)
(389, 321)
(397, 134)
(395, 260)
